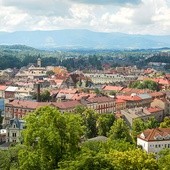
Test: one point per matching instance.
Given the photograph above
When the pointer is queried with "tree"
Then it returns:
(132, 160)
(50, 73)
(152, 123)
(90, 119)
(104, 123)
(9, 158)
(79, 109)
(88, 161)
(112, 93)
(163, 161)
(48, 138)
(137, 127)
(45, 96)
(146, 84)
(165, 123)
(97, 91)
(120, 130)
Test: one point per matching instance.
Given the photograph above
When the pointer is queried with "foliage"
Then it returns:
(120, 130)
(139, 125)
(104, 123)
(146, 84)
(112, 93)
(165, 123)
(49, 137)
(163, 161)
(79, 109)
(135, 160)
(44, 96)
(50, 73)
(9, 158)
(89, 120)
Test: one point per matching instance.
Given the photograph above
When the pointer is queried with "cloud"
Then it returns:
(39, 7)
(106, 2)
(143, 17)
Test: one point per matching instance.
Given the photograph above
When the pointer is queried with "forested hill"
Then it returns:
(77, 38)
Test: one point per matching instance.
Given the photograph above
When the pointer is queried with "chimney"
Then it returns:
(38, 92)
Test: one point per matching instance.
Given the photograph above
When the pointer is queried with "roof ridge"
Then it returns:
(152, 131)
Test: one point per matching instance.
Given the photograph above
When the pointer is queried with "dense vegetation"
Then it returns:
(146, 84)
(53, 140)
(18, 56)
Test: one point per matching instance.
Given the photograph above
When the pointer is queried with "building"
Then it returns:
(2, 91)
(13, 130)
(163, 103)
(10, 92)
(32, 72)
(109, 78)
(154, 140)
(108, 89)
(120, 105)
(2, 136)
(129, 115)
(101, 104)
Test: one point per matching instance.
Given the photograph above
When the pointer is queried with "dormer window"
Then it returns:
(158, 137)
(167, 137)
(14, 126)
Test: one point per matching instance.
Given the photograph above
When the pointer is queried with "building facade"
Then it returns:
(154, 140)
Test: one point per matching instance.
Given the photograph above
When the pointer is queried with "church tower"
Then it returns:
(39, 62)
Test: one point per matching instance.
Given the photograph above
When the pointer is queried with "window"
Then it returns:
(155, 146)
(14, 134)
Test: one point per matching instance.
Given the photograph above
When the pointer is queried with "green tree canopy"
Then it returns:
(48, 138)
(146, 84)
(90, 119)
(120, 130)
(104, 123)
(163, 161)
(165, 123)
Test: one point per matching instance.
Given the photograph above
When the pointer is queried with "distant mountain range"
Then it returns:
(83, 39)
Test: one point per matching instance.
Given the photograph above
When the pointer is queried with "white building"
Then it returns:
(154, 140)
(14, 129)
(109, 78)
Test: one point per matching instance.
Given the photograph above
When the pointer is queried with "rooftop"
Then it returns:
(155, 134)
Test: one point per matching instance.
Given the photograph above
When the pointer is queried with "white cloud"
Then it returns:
(148, 17)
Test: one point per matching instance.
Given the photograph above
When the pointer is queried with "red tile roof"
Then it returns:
(2, 88)
(112, 88)
(162, 81)
(101, 99)
(27, 104)
(79, 96)
(129, 98)
(68, 91)
(154, 109)
(120, 101)
(67, 104)
(157, 94)
(34, 105)
(151, 134)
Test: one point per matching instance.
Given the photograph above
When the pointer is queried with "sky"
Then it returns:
(126, 16)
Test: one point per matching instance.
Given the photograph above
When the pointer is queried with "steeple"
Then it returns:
(39, 62)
